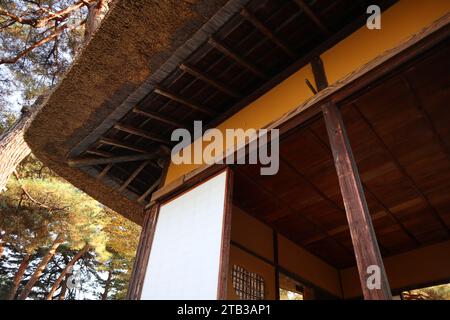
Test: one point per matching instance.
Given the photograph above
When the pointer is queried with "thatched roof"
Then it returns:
(134, 40)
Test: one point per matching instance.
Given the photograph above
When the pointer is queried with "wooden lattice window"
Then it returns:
(247, 285)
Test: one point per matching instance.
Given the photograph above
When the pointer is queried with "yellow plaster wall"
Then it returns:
(258, 237)
(309, 267)
(252, 233)
(418, 267)
(399, 22)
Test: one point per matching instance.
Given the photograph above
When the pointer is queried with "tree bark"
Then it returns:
(96, 12)
(107, 285)
(13, 148)
(18, 276)
(41, 267)
(58, 281)
(2, 248)
(62, 294)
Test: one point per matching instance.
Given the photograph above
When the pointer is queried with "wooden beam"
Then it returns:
(307, 10)
(149, 190)
(356, 83)
(104, 172)
(364, 241)
(236, 57)
(319, 73)
(267, 32)
(310, 86)
(212, 82)
(173, 96)
(120, 144)
(154, 115)
(100, 153)
(81, 162)
(141, 133)
(133, 175)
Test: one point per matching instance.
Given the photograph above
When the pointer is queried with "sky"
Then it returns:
(14, 100)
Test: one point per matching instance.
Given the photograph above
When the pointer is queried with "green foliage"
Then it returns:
(42, 67)
(440, 292)
(7, 119)
(40, 205)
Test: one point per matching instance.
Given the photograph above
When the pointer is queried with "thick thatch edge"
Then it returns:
(79, 105)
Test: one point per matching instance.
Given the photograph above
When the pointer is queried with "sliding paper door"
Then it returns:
(187, 254)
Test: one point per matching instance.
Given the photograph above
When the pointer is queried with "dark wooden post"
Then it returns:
(222, 287)
(143, 253)
(361, 229)
(276, 264)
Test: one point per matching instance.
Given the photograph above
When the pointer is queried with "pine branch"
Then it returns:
(28, 195)
(40, 43)
(41, 22)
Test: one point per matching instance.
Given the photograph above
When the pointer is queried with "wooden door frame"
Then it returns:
(149, 227)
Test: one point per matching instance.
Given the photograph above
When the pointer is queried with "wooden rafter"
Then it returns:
(308, 11)
(141, 133)
(320, 75)
(90, 161)
(104, 172)
(133, 176)
(100, 153)
(184, 101)
(159, 117)
(121, 144)
(267, 32)
(237, 58)
(149, 190)
(209, 80)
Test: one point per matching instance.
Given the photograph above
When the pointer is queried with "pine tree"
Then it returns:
(39, 41)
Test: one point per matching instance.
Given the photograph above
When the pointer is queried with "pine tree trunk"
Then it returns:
(107, 285)
(96, 12)
(18, 276)
(62, 294)
(13, 148)
(58, 281)
(41, 267)
(2, 248)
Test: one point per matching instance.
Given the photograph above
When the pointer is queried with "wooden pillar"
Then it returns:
(222, 288)
(143, 253)
(361, 229)
(275, 263)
